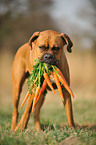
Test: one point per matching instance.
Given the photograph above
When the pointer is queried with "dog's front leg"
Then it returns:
(68, 108)
(25, 117)
(16, 96)
(37, 113)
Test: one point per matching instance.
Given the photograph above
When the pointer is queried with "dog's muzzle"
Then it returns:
(49, 59)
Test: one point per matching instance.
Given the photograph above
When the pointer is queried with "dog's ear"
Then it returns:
(33, 38)
(67, 41)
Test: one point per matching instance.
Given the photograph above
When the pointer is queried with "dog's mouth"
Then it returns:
(49, 59)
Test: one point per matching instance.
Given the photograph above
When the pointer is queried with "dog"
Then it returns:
(47, 46)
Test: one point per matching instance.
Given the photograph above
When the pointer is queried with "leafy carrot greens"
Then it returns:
(36, 77)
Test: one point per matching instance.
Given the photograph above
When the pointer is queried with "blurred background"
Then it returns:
(19, 19)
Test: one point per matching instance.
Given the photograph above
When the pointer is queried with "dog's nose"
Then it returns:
(48, 57)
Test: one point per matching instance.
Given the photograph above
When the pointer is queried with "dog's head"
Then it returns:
(49, 45)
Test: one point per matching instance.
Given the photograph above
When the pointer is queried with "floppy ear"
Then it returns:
(33, 38)
(67, 41)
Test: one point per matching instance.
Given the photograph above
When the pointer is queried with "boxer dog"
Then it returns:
(47, 46)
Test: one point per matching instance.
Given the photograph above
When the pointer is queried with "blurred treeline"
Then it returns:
(18, 22)
(19, 19)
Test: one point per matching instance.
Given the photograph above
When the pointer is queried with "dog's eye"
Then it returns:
(42, 48)
(55, 48)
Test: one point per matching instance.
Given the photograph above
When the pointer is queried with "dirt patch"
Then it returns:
(72, 140)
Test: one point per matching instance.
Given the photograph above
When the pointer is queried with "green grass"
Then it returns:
(54, 125)
(52, 134)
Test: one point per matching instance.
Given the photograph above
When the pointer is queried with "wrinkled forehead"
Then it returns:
(49, 40)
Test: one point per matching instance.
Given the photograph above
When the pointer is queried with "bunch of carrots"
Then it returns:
(40, 78)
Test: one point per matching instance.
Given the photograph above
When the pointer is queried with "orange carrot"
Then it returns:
(42, 90)
(48, 82)
(36, 95)
(58, 85)
(63, 81)
(27, 95)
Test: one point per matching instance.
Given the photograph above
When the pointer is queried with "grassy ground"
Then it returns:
(53, 117)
